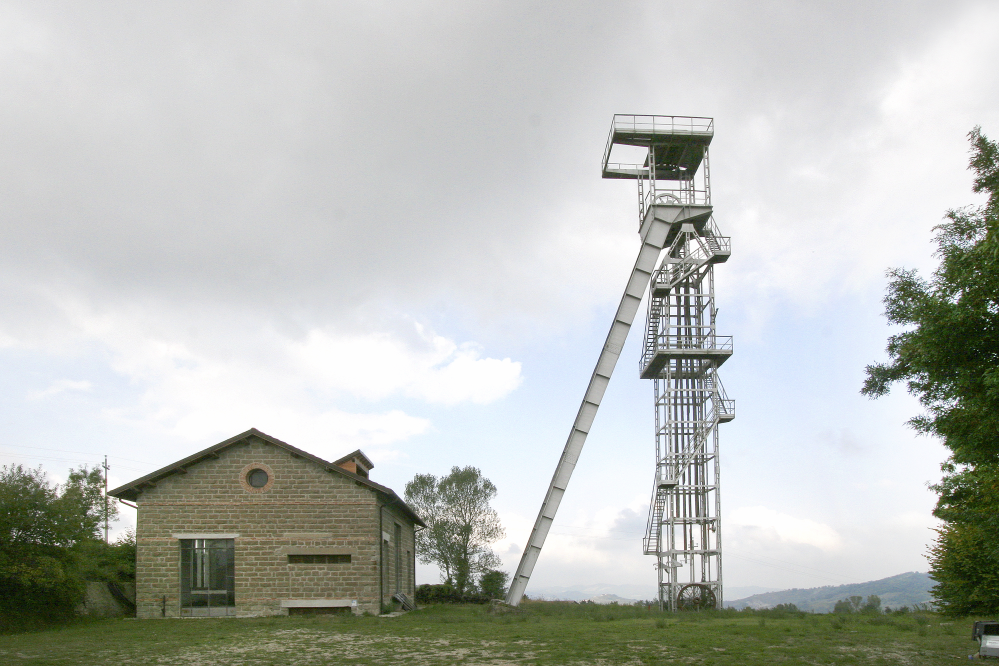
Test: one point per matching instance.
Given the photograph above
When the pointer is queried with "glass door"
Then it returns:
(207, 577)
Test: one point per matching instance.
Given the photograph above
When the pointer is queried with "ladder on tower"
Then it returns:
(668, 476)
(722, 410)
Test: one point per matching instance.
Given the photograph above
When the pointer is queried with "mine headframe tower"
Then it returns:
(681, 353)
(680, 244)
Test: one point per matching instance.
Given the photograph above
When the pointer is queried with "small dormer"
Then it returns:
(356, 463)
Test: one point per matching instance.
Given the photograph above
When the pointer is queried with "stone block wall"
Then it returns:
(303, 509)
(401, 578)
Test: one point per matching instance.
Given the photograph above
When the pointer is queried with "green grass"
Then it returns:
(539, 633)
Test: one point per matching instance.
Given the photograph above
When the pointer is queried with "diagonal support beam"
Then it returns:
(654, 233)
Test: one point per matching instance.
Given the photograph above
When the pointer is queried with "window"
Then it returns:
(319, 558)
(257, 478)
(207, 577)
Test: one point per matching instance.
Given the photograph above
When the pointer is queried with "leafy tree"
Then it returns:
(843, 606)
(460, 524)
(82, 498)
(33, 512)
(493, 583)
(948, 355)
(872, 605)
(49, 542)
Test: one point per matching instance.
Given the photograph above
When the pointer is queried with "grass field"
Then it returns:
(539, 633)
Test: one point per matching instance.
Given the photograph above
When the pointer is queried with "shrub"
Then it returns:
(50, 545)
(493, 584)
(443, 593)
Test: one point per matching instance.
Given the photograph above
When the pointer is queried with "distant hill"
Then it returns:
(612, 599)
(732, 592)
(593, 590)
(901, 590)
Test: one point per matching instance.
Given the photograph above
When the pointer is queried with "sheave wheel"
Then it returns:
(695, 596)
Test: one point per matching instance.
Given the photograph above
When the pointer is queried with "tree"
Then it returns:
(872, 605)
(843, 606)
(49, 541)
(460, 524)
(948, 355)
(493, 583)
(82, 499)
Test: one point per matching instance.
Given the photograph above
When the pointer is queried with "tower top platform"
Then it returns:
(678, 143)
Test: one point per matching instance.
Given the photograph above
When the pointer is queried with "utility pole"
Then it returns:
(106, 508)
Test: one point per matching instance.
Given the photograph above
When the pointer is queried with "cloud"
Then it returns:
(436, 370)
(819, 196)
(293, 386)
(844, 441)
(239, 157)
(240, 210)
(61, 386)
(763, 524)
(209, 375)
(583, 545)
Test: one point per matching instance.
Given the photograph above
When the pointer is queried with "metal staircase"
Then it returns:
(681, 354)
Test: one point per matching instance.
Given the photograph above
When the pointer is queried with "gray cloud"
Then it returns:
(309, 160)
(210, 209)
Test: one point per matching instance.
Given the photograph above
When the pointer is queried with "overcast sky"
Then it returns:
(382, 225)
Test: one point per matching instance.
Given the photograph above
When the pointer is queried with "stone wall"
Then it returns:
(303, 509)
(100, 602)
(401, 578)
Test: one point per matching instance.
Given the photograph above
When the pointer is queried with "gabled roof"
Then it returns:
(355, 456)
(130, 491)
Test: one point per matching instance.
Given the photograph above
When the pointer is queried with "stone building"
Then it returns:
(254, 526)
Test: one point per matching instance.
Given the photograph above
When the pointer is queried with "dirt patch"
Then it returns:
(307, 646)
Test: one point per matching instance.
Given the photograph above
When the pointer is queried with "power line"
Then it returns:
(85, 461)
(795, 568)
(43, 448)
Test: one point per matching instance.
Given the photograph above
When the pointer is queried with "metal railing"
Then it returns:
(653, 125)
(705, 248)
(705, 342)
(726, 408)
(674, 196)
(663, 124)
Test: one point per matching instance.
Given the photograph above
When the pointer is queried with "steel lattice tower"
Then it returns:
(681, 354)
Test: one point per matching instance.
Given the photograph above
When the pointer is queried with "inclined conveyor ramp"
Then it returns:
(665, 212)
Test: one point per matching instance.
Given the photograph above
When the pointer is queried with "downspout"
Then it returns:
(381, 562)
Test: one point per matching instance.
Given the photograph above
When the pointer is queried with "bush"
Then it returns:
(778, 612)
(856, 604)
(50, 545)
(41, 585)
(493, 584)
(443, 593)
(114, 563)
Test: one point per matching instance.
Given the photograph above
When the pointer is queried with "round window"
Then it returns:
(257, 478)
